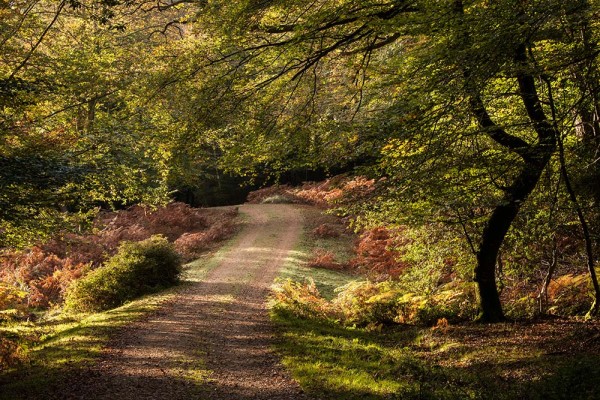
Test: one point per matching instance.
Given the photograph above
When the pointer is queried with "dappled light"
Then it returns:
(214, 338)
(325, 199)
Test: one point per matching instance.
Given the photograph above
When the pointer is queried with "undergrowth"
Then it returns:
(331, 361)
(138, 268)
(344, 337)
(86, 268)
(424, 256)
(58, 345)
(55, 347)
(37, 278)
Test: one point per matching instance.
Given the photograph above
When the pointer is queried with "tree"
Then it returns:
(76, 130)
(480, 70)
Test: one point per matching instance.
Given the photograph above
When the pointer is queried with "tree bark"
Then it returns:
(535, 158)
(493, 236)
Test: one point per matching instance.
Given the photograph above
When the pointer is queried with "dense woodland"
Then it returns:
(468, 133)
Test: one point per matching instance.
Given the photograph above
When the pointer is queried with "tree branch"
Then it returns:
(39, 41)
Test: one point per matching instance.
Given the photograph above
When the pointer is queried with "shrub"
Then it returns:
(12, 302)
(373, 304)
(42, 276)
(325, 259)
(570, 295)
(137, 268)
(274, 194)
(301, 299)
(44, 272)
(11, 352)
(191, 245)
(326, 231)
(522, 308)
(279, 199)
(454, 302)
(368, 303)
(377, 254)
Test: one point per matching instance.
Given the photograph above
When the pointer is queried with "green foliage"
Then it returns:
(12, 302)
(137, 268)
(377, 304)
(455, 302)
(112, 109)
(365, 360)
(335, 362)
(303, 300)
(68, 142)
(365, 303)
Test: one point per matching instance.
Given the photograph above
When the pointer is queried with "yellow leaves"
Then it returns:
(302, 299)
(11, 299)
(397, 148)
(273, 17)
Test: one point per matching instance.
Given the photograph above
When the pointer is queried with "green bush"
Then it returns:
(137, 268)
(301, 299)
(382, 303)
(368, 303)
(455, 301)
(375, 304)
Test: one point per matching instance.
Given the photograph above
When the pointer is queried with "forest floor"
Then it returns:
(213, 339)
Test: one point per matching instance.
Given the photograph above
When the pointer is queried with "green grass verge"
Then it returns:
(66, 343)
(335, 362)
(503, 361)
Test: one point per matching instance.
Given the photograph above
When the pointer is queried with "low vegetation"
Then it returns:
(542, 360)
(55, 348)
(138, 268)
(52, 349)
(421, 272)
(37, 278)
(125, 255)
(351, 338)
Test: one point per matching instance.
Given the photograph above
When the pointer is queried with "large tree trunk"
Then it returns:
(535, 158)
(493, 235)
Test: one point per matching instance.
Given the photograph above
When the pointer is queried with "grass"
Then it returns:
(67, 343)
(295, 266)
(546, 359)
(57, 346)
(335, 362)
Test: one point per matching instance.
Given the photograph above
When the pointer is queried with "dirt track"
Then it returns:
(214, 340)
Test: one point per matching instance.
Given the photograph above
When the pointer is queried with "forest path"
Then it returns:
(214, 340)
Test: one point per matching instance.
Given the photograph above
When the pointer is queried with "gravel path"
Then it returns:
(214, 340)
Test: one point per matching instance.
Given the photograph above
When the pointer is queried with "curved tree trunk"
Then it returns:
(535, 158)
(493, 235)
